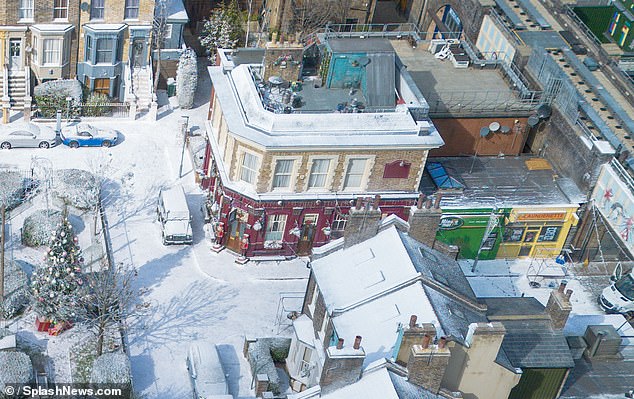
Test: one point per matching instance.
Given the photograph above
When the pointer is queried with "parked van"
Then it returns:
(619, 297)
(174, 216)
(206, 373)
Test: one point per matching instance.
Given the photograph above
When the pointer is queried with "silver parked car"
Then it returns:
(28, 135)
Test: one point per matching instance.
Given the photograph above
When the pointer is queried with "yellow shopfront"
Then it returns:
(536, 232)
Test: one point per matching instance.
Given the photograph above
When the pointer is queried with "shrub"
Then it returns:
(16, 369)
(38, 227)
(51, 96)
(186, 79)
(96, 105)
(111, 368)
(77, 188)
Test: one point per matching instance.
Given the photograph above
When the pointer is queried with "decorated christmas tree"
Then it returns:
(56, 285)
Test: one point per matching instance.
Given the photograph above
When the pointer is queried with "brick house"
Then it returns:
(287, 175)
(413, 312)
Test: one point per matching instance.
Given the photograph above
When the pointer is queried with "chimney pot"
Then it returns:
(420, 201)
(377, 199)
(426, 340)
(357, 342)
(359, 203)
(428, 204)
(437, 201)
(568, 293)
(562, 286)
(442, 342)
(340, 343)
(412, 321)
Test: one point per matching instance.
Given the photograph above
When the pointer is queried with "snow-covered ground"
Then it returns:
(193, 294)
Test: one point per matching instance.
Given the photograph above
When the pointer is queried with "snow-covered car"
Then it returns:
(86, 135)
(27, 135)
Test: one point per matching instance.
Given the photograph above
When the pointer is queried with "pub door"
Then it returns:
(305, 244)
(236, 230)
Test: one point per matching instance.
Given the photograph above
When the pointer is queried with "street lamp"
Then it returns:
(69, 100)
(185, 124)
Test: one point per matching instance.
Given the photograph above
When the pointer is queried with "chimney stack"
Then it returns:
(426, 341)
(357, 342)
(414, 334)
(442, 342)
(363, 221)
(426, 366)
(420, 201)
(423, 222)
(558, 306)
(340, 343)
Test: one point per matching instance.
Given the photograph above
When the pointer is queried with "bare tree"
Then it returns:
(110, 297)
(306, 16)
(159, 34)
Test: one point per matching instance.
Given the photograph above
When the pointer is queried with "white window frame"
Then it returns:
(60, 50)
(22, 9)
(338, 220)
(169, 28)
(294, 171)
(369, 164)
(94, 8)
(334, 161)
(126, 7)
(280, 219)
(241, 155)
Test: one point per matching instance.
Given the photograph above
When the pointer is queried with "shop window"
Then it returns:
(549, 234)
(489, 243)
(102, 86)
(530, 235)
(275, 228)
(513, 234)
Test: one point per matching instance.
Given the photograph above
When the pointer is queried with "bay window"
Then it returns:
(51, 51)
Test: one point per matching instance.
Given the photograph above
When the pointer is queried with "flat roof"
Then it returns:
(441, 82)
(502, 182)
(358, 45)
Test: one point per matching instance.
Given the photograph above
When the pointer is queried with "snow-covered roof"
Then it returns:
(105, 27)
(175, 11)
(377, 265)
(52, 28)
(373, 385)
(247, 118)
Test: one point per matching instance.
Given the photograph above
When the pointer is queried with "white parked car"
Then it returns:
(27, 135)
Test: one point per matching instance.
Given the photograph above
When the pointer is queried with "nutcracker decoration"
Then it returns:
(244, 246)
(219, 235)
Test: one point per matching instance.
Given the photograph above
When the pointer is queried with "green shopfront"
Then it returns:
(466, 228)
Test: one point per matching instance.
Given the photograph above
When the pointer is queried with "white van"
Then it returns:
(174, 216)
(206, 373)
(619, 296)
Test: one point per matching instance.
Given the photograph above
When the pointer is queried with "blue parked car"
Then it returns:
(86, 135)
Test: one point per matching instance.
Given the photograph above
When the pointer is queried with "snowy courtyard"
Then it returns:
(189, 293)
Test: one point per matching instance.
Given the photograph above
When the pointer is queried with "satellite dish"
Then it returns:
(494, 126)
(484, 131)
(533, 120)
(84, 6)
(505, 129)
(544, 111)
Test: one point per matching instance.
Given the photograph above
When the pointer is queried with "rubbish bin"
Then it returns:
(171, 87)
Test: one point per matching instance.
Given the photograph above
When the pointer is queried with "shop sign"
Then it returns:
(522, 217)
(450, 222)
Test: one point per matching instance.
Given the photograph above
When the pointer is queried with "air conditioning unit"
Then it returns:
(602, 341)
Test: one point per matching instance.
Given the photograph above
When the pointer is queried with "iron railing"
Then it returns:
(80, 111)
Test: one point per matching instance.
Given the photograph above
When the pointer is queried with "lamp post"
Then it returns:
(185, 124)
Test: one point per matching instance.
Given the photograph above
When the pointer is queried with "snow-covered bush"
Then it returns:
(78, 188)
(186, 78)
(51, 96)
(38, 227)
(96, 105)
(16, 369)
(223, 29)
(111, 368)
(15, 303)
(11, 183)
(261, 362)
(16, 284)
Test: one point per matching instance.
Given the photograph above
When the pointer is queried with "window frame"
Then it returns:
(334, 161)
(365, 176)
(60, 7)
(256, 171)
(60, 47)
(111, 50)
(273, 220)
(297, 161)
(97, 5)
(34, 50)
(127, 7)
(21, 9)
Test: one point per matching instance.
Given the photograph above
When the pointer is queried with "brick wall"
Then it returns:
(362, 224)
(340, 370)
(320, 313)
(426, 366)
(308, 297)
(423, 224)
(559, 308)
(470, 12)
(413, 336)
